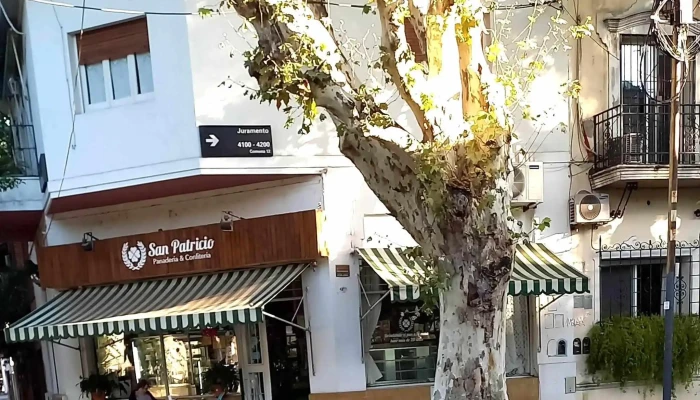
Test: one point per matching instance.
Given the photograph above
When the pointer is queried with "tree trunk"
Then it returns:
(472, 344)
(471, 362)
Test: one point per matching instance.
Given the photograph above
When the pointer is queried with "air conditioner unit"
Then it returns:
(589, 208)
(633, 148)
(528, 183)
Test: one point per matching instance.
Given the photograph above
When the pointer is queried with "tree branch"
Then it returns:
(399, 61)
(369, 137)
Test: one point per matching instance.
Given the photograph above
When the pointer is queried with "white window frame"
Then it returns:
(135, 96)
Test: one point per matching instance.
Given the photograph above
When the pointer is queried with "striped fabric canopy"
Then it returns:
(536, 270)
(401, 272)
(539, 271)
(194, 302)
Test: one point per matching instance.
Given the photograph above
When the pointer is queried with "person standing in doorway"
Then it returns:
(141, 392)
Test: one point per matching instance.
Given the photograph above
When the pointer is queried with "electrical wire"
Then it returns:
(519, 6)
(7, 18)
(111, 10)
(578, 20)
(73, 106)
(642, 63)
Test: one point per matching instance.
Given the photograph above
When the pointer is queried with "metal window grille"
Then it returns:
(632, 278)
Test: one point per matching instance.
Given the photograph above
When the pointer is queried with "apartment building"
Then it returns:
(167, 242)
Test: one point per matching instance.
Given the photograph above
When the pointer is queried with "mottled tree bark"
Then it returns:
(470, 233)
(471, 363)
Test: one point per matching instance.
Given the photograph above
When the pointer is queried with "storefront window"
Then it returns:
(404, 343)
(178, 365)
(174, 364)
(111, 359)
(148, 363)
(401, 338)
(517, 335)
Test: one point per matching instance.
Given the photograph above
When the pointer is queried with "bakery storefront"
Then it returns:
(182, 307)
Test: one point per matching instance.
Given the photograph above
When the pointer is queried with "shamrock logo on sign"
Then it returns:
(134, 258)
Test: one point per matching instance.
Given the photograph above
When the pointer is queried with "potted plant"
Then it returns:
(221, 378)
(97, 386)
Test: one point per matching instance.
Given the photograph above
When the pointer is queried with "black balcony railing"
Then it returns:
(639, 135)
(21, 145)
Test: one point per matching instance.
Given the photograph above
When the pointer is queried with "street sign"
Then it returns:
(235, 140)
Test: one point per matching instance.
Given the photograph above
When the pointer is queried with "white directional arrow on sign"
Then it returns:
(212, 140)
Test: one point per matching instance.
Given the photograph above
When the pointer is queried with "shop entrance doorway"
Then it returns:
(287, 345)
(255, 365)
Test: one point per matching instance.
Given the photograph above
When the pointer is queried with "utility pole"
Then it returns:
(681, 15)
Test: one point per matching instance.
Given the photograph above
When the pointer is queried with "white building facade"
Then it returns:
(112, 137)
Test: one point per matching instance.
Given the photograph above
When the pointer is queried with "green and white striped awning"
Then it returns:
(536, 270)
(401, 272)
(195, 302)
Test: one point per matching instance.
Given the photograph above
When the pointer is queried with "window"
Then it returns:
(632, 287)
(115, 64)
(400, 339)
(174, 364)
(518, 350)
(645, 88)
(636, 286)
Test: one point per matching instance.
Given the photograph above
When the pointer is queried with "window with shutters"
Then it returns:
(114, 64)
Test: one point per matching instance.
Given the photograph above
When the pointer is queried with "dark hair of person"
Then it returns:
(142, 384)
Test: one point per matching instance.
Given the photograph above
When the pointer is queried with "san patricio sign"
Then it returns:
(266, 241)
(138, 256)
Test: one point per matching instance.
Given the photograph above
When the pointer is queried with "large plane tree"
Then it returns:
(447, 180)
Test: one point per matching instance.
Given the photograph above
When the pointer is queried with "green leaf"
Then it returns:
(544, 224)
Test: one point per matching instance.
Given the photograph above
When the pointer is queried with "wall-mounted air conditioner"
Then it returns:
(589, 208)
(633, 148)
(528, 184)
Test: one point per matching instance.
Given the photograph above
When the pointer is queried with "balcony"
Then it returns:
(21, 207)
(20, 143)
(631, 144)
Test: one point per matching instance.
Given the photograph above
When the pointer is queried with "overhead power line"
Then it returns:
(519, 6)
(111, 10)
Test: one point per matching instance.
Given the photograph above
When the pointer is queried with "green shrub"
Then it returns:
(629, 349)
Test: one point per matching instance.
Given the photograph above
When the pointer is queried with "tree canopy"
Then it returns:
(446, 177)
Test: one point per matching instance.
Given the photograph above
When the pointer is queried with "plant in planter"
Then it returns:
(98, 386)
(221, 376)
(631, 349)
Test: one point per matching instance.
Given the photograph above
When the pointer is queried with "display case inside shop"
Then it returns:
(404, 343)
(405, 364)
